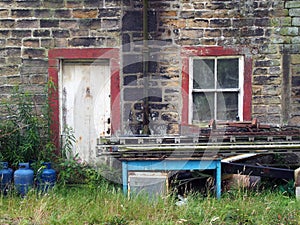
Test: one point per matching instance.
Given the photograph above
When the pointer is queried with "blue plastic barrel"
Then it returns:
(6, 175)
(47, 178)
(23, 179)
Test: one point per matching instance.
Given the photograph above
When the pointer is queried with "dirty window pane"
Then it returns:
(203, 106)
(228, 73)
(203, 73)
(227, 106)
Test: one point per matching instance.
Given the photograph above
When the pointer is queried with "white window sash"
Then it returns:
(239, 90)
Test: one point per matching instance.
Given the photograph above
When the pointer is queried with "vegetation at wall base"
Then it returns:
(24, 129)
(107, 205)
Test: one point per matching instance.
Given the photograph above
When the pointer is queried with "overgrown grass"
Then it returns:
(106, 204)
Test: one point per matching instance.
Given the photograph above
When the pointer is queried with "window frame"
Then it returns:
(216, 89)
(216, 51)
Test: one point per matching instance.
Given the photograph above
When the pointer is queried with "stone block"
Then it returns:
(192, 33)
(291, 31)
(296, 21)
(220, 23)
(110, 24)
(296, 40)
(7, 23)
(281, 21)
(31, 42)
(93, 3)
(53, 3)
(10, 52)
(35, 62)
(266, 80)
(21, 33)
(4, 33)
(62, 13)
(4, 3)
(248, 32)
(295, 81)
(19, 13)
(85, 13)
(197, 23)
(268, 49)
(28, 3)
(133, 94)
(262, 22)
(60, 43)
(133, 21)
(41, 33)
(212, 33)
(34, 53)
(74, 3)
(132, 63)
(42, 13)
(280, 13)
(109, 12)
(294, 12)
(292, 4)
(130, 80)
(25, 23)
(47, 43)
(295, 58)
(47, 23)
(60, 33)
(9, 70)
(69, 24)
(86, 41)
(39, 79)
(13, 42)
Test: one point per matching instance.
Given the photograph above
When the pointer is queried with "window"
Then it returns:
(215, 88)
(216, 84)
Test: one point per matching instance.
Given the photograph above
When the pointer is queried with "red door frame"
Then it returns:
(187, 52)
(55, 55)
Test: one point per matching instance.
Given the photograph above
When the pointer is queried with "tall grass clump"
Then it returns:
(106, 204)
(24, 128)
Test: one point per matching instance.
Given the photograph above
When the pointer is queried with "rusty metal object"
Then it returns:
(219, 138)
(262, 171)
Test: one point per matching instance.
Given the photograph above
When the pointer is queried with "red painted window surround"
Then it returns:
(187, 52)
(54, 57)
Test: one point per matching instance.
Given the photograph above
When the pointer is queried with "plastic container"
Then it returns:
(23, 179)
(6, 175)
(47, 178)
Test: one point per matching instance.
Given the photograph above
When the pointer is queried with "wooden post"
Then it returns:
(297, 183)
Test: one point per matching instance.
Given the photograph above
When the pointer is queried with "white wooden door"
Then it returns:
(85, 104)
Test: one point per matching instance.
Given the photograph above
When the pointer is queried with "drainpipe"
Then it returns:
(146, 129)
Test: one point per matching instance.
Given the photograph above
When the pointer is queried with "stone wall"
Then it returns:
(29, 28)
(269, 30)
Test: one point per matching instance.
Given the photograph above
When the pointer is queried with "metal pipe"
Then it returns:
(146, 113)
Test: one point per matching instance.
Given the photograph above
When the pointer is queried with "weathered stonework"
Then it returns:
(269, 30)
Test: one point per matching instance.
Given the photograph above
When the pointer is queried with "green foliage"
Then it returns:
(24, 131)
(107, 205)
(73, 171)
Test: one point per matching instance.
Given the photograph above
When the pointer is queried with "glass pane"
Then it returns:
(227, 106)
(228, 73)
(203, 106)
(203, 72)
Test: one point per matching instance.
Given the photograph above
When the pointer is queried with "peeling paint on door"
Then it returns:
(85, 104)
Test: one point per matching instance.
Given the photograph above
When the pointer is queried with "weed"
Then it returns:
(24, 130)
